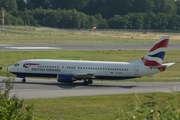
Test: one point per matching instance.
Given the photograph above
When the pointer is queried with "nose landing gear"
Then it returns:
(24, 80)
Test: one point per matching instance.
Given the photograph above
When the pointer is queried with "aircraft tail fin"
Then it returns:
(156, 54)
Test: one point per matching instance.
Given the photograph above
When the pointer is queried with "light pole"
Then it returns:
(2, 22)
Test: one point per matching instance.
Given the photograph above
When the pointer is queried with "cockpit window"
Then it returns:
(16, 64)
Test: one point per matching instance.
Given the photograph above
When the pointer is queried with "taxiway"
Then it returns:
(44, 88)
(40, 47)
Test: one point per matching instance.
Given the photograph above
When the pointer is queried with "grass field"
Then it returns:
(31, 35)
(107, 107)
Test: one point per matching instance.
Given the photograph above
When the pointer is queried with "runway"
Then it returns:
(41, 47)
(43, 88)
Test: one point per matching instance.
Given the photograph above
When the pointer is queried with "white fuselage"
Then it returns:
(100, 69)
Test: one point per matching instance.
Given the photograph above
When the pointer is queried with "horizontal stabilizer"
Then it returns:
(162, 67)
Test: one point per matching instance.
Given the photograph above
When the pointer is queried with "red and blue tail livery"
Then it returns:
(70, 71)
(156, 54)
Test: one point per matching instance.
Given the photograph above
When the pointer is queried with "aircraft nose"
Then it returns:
(8, 69)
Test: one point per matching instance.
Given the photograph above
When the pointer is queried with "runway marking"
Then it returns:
(3, 45)
(32, 48)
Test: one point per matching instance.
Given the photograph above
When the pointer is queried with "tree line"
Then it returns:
(104, 14)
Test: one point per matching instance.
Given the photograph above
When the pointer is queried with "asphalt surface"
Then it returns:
(44, 88)
(31, 47)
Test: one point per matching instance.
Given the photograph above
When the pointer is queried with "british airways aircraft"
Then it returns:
(74, 70)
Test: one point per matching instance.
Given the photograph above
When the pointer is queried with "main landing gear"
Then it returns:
(24, 80)
(87, 82)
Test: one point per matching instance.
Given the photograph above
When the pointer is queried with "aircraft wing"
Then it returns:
(84, 76)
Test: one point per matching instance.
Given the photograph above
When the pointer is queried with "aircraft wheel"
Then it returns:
(90, 81)
(23, 80)
(85, 83)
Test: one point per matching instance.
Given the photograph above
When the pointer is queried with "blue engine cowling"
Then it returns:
(65, 78)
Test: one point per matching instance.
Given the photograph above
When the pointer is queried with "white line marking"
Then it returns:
(31, 48)
(3, 45)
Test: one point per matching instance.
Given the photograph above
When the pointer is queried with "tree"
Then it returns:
(160, 21)
(96, 6)
(173, 23)
(21, 4)
(177, 2)
(11, 107)
(101, 23)
(118, 22)
(143, 6)
(137, 20)
(8, 5)
(149, 19)
(165, 6)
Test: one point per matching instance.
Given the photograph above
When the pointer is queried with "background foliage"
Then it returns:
(104, 14)
(12, 107)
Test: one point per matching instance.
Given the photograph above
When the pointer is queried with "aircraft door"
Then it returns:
(136, 70)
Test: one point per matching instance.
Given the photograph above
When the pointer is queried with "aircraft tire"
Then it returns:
(90, 81)
(85, 83)
(23, 80)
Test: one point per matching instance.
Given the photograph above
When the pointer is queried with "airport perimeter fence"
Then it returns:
(124, 30)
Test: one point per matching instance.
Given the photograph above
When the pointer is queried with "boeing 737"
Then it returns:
(73, 70)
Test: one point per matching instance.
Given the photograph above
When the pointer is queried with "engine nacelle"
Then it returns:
(65, 78)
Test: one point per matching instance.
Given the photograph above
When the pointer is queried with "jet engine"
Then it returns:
(65, 78)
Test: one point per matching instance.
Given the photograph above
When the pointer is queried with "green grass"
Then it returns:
(106, 107)
(27, 35)
(171, 74)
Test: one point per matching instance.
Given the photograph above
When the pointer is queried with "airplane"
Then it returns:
(69, 71)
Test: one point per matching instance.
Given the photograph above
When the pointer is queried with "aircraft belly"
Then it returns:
(115, 77)
(23, 74)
